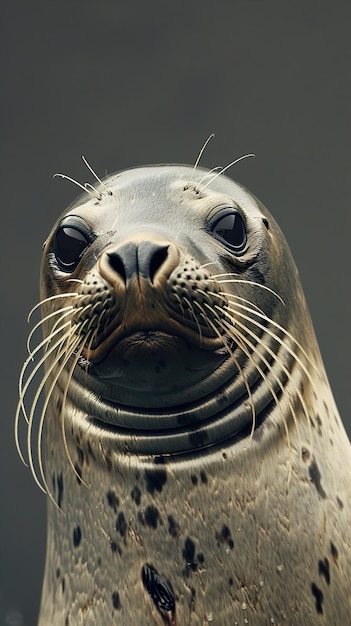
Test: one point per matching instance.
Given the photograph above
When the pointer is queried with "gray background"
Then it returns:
(127, 83)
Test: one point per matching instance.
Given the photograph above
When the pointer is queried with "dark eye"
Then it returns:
(71, 240)
(229, 228)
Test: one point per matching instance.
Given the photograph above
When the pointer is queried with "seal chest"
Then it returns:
(196, 466)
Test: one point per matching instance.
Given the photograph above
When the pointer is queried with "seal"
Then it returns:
(196, 465)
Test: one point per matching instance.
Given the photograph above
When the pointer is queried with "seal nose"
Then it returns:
(142, 259)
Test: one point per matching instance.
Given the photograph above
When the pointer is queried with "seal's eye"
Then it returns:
(229, 228)
(71, 240)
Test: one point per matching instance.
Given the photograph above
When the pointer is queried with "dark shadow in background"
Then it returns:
(141, 82)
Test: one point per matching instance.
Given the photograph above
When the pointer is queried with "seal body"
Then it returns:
(197, 467)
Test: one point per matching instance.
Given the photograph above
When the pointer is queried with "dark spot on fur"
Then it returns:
(230, 581)
(189, 554)
(63, 585)
(318, 594)
(225, 537)
(257, 275)
(194, 479)
(334, 552)
(198, 438)
(155, 479)
(78, 473)
(116, 603)
(265, 222)
(200, 558)
(80, 455)
(60, 490)
(340, 502)
(58, 572)
(203, 477)
(305, 455)
(173, 527)
(135, 494)
(315, 477)
(112, 500)
(77, 535)
(319, 424)
(151, 516)
(121, 524)
(323, 569)
(160, 591)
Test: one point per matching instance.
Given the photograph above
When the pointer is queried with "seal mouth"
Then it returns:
(146, 364)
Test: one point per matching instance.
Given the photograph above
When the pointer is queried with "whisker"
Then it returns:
(192, 313)
(30, 359)
(232, 355)
(93, 193)
(32, 375)
(63, 430)
(102, 183)
(75, 280)
(237, 335)
(244, 156)
(80, 309)
(65, 310)
(224, 294)
(273, 335)
(88, 187)
(56, 296)
(250, 282)
(211, 171)
(267, 364)
(290, 351)
(62, 352)
(198, 159)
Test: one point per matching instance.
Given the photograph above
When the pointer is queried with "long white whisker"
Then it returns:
(198, 159)
(230, 352)
(276, 337)
(40, 388)
(244, 156)
(63, 351)
(245, 342)
(30, 359)
(267, 364)
(75, 182)
(250, 282)
(64, 438)
(56, 296)
(65, 311)
(33, 373)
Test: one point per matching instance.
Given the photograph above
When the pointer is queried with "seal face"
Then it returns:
(185, 389)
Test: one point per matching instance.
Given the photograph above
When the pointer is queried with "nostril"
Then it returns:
(117, 264)
(156, 261)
